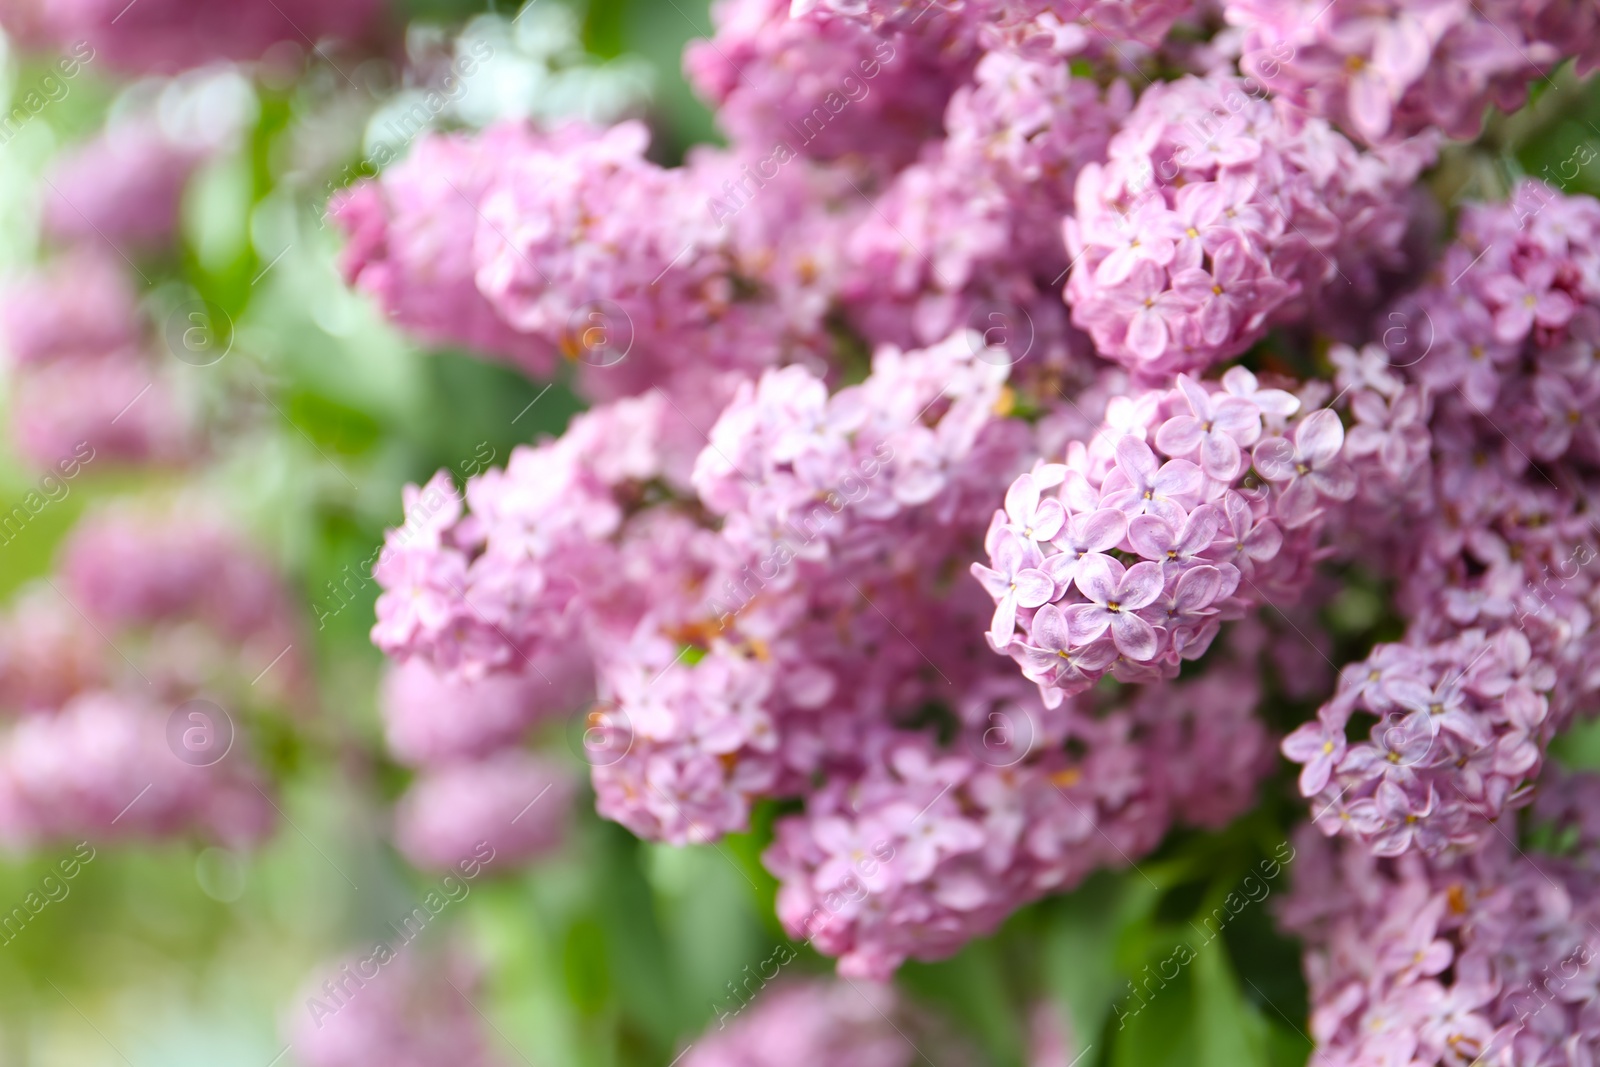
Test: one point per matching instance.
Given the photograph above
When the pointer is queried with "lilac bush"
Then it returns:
(1035, 460)
(762, 547)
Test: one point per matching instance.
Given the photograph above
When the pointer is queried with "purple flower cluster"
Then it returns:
(164, 36)
(1059, 27)
(391, 1009)
(123, 186)
(809, 1022)
(517, 802)
(769, 628)
(571, 244)
(1219, 213)
(832, 85)
(928, 849)
(751, 558)
(1383, 69)
(1481, 957)
(1126, 558)
(82, 372)
(1477, 456)
(118, 675)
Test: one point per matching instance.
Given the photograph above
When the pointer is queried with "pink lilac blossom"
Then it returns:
(768, 626)
(528, 246)
(517, 802)
(928, 849)
(1058, 27)
(101, 768)
(389, 1009)
(82, 381)
(166, 36)
(969, 234)
(1470, 438)
(824, 87)
(431, 719)
(1219, 214)
(1126, 558)
(1391, 68)
(1486, 956)
(813, 1021)
(142, 565)
(120, 408)
(150, 613)
(410, 243)
(124, 186)
(80, 305)
(47, 654)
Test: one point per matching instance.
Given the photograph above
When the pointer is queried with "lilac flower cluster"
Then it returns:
(1392, 68)
(808, 1022)
(1126, 558)
(1481, 451)
(753, 553)
(1488, 956)
(1059, 27)
(164, 36)
(86, 379)
(782, 650)
(122, 187)
(775, 79)
(390, 1010)
(536, 246)
(117, 676)
(928, 849)
(1219, 213)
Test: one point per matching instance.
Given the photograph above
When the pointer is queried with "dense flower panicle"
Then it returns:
(822, 610)
(141, 566)
(82, 380)
(491, 589)
(1474, 436)
(532, 246)
(1059, 27)
(928, 848)
(120, 671)
(173, 35)
(517, 802)
(431, 719)
(389, 1009)
(801, 1022)
(47, 654)
(1391, 68)
(825, 88)
(1126, 558)
(410, 243)
(749, 554)
(628, 267)
(1481, 957)
(1218, 214)
(101, 768)
(125, 185)
(78, 306)
(969, 234)
(118, 407)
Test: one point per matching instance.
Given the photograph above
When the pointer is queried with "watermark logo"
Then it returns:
(199, 732)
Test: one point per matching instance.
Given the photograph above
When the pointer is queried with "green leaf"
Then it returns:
(1229, 1031)
(583, 961)
(1155, 1026)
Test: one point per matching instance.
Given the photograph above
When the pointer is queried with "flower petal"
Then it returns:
(1022, 499)
(1098, 577)
(1140, 586)
(1135, 638)
(1319, 438)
